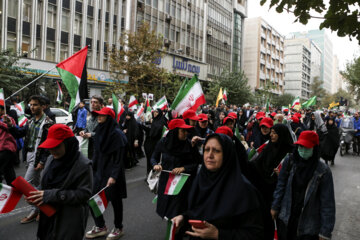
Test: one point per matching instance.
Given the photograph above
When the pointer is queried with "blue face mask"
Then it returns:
(304, 152)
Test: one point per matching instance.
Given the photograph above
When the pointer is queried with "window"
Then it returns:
(27, 10)
(25, 46)
(64, 52)
(65, 20)
(12, 9)
(51, 17)
(50, 51)
(89, 27)
(11, 41)
(77, 24)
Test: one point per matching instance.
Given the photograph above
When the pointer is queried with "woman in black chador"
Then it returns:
(132, 132)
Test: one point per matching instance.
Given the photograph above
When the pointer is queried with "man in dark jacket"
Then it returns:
(47, 110)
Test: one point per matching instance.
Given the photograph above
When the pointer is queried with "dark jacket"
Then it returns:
(71, 200)
(318, 213)
(50, 114)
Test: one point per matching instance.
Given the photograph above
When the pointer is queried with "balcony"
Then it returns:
(262, 61)
(262, 49)
(268, 51)
(272, 66)
(281, 60)
(262, 75)
(268, 65)
(263, 35)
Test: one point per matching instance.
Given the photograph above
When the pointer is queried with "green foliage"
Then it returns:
(352, 76)
(236, 84)
(282, 100)
(318, 91)
(341, 16)
(264, 93)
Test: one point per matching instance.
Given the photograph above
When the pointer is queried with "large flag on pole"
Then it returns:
(309, 103)
(2, 97)
(9, 198)
(219, 97)
(132, 103)
(162, 104)
(225, 95)
(118, 107)
(74, 75)
(59, 96)
(190, 96)
(295, 102)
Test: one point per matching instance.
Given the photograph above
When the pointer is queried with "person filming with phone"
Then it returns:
(222, 202)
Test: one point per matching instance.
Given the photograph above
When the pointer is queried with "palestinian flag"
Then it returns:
(140, 111)
(175, 184)
(118, 107)
(98, 203)
(2, 97)
(60, 94)
(254, 153)
(295, 102)
(162, 104)
(148, 110)
(9, 198)
(73, 73)
(171, 230)
(22, 120)
(190, 96)
(224, 95)
(132, 103)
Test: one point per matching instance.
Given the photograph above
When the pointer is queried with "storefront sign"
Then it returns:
(185, 66)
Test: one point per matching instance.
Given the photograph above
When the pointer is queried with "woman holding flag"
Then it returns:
(174, 156)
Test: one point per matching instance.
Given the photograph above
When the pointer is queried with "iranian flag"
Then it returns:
(283, 108)
(118, 107)
(20, 107)
(164, 132)
(162, 104)
(175, 183)
(132, 103)
(225, 95)
(60, 94)
(22, 120)
(254, 153)
(190, 96)
(9, 198)
(171, 230)
(73, 73)
(140, 111)
(2, 97)
(98, 203)
(295, 102)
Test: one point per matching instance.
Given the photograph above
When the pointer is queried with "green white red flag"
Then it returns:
(132, 103)
(162, 104)
(175, 183)
(60, 94)
(118, 107)
(283, 108)
(254, 153)
(140, 111)
(9, 198)
(20, 107)
(171, 230)
(73, 73)
(295, 102)
(98, 203)
(190, 96)
(225, 95)
(164, 132)
(2, 97)
(22, 120)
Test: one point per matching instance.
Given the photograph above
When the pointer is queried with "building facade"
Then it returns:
(263, 55)
(298, 67)
(323, 41)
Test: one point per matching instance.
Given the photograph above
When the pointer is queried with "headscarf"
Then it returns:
(305, 168)
(108, 136)
(132, 128)
(157, 125)
(59, 168)
(274, 152)
(173, 145)
(319, 123)
(224, 193)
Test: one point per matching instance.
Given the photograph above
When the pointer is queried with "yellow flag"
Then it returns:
(333, 104)
(219, 97)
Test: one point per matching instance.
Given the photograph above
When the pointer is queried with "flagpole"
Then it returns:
(100, 191)
(30, 83)
(180, 173)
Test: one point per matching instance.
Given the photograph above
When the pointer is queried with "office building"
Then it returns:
(263, 55)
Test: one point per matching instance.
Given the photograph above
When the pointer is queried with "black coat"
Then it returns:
(71, 201)
(171, 206)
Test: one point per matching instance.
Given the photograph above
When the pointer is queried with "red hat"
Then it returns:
(228, 118)
(178, 123)
(295, 119)
(308, 139)
(273, 114)
(260, 115)
(57, 134)
(286, 110)
(267, 122)
(190, 114)
(203, 117)
(106, 111)
(225, 130)
(298, 115)
(233, 115)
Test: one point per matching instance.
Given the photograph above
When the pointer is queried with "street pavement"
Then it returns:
(142, 223)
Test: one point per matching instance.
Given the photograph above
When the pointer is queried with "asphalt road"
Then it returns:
(142, 223)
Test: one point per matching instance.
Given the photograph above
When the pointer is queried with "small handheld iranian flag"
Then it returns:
(2, 97)
(295, 102)
(59, 97)
(171, 230)
(118, 107)
(164, 132)
(9, 198)
(175, 183)
(190, 96)
(162, 104)
(140, 111)
(22, 120)
(20, 108)
(74, 76)
(132, 103)
(254, 153)
(98, 203)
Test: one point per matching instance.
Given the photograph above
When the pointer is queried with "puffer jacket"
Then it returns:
(7, 141)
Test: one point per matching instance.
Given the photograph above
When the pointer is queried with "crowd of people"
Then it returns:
(250, 172)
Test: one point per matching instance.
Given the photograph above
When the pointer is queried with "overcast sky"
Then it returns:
(284, 23)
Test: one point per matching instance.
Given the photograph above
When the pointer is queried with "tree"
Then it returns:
(137, 59)
(265, 93)
(282, 100)
(12, 77)
(317, 90)
(329, 98)
(341, 16)
(352, 76)
(236, 85)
